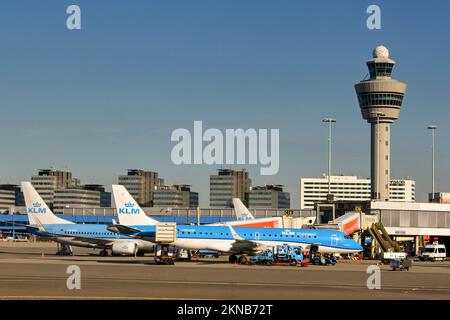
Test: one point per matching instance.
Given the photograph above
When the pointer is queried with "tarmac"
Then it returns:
(33, 271)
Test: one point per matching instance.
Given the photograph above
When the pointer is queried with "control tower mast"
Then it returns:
(380, 99)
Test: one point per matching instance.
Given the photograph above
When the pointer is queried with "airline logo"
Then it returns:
(129, 209)
(37, 208)
(244, 216)
(288, 233)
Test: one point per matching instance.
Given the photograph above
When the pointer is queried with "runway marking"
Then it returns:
(242, 284)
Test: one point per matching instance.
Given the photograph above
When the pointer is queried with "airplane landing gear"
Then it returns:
(233, 259)
(242, 260)
(64, 250)
(103, 253)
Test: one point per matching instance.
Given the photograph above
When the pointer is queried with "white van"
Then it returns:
(434, 252)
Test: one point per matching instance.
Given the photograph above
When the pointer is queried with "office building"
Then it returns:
(47, 181)
(7, 199)
(105, 196)
(141, 185)
(19, 200)
(350, 188)
(228, 184)
(175, 196)
(75, 197)
(268, 197)
(380, 99)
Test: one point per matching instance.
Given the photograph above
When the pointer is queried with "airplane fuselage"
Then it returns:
(221, 239)
(62, 233)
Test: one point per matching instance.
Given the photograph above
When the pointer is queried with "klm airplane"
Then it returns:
(234, 240)
(44, 223)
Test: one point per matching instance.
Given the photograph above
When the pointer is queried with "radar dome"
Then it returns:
(380, 52)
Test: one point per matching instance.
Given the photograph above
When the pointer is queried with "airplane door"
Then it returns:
(334, 240)
(256, 235)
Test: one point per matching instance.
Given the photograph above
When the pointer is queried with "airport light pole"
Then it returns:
(433, 128)
(330, 121)
(378, 115)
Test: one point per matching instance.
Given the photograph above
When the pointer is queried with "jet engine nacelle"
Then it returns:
(125, 248)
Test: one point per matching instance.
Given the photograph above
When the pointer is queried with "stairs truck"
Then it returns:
(390, 248)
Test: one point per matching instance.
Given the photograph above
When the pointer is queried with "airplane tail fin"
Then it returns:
(37, 210)
(128, 210)
(242, 213)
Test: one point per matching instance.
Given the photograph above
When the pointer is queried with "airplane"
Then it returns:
(246, 219)
(43, 222)
(246, 240)
(232, 239)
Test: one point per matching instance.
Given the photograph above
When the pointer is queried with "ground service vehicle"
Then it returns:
(400, 264)
(434, 252)
(165, 254)
(386, 257)
(281, 255)
(323, 259)
(183, 255)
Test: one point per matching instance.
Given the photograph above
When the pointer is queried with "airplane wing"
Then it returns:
(240, 245)
(94, 241)
(122, 229)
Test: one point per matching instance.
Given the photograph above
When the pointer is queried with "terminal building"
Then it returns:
(268, 197)
(141, 184)
(413, 224)
(351, 188)
(228, 184)
(175, 196)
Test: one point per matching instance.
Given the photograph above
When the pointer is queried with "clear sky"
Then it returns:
(106, 98)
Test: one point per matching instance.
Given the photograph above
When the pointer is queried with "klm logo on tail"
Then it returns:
(129, 209)
(37, 208)
(245, 216)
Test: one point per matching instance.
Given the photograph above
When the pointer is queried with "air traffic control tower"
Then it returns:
(380, 99)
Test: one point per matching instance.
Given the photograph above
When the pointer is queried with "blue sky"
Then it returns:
(106, 98)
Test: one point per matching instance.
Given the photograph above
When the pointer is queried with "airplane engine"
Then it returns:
(125, 248)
